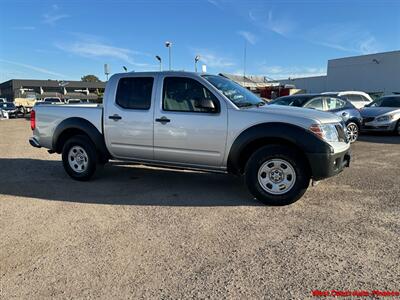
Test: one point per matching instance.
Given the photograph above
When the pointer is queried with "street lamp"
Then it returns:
(196, 59)
(169, 45)
(159, 59)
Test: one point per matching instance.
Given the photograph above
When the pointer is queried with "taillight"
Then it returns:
(33, 119)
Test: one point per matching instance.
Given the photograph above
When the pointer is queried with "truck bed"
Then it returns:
(49, 116)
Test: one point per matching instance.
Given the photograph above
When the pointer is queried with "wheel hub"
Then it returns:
(276, 175)
(78, 159)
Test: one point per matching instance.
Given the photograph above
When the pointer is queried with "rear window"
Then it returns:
(291, 101)
(135, 92)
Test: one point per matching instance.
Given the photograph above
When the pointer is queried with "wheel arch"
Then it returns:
(354, 120)
(78, 126)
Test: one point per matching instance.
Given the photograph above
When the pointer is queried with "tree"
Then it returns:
(90, 78)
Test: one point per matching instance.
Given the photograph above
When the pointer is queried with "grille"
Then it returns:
(342, 132)
(369, 119)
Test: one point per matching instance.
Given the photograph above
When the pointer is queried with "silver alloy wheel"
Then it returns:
(352, 132)
(276, 176)
(78, 159)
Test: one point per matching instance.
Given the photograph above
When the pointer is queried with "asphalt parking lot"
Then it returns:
(136, 232)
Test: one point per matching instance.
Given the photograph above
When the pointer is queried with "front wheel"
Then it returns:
(352, 131)
(277, 175)
(79, 157)
(397, 129)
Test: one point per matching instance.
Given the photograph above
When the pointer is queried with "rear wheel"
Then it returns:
(277, 175)
(352, 131)
(79, 157)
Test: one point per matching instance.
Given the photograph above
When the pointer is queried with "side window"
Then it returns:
(134, 92)
(354, 98)
(186, 94)
(334, 103)
(315, 103)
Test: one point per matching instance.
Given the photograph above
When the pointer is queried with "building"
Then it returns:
(39, 89)
(377, 74)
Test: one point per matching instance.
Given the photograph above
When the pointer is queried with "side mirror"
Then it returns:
(206, 104)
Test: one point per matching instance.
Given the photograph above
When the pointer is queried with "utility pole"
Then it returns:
(159, 60)
(196, 59)
(169, 45)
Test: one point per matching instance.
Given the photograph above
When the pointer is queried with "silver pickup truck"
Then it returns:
(196, 121)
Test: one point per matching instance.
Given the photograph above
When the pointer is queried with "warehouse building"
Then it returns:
(377, 74)
(40, 89)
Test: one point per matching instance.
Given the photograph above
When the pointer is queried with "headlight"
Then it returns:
(327, 132)
(384, 118)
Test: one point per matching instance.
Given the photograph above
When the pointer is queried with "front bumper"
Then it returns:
(378, 126)
(324, 165)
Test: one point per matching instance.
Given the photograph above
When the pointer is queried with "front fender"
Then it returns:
(273, 133)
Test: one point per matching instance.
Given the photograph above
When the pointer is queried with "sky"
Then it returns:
(66, 39)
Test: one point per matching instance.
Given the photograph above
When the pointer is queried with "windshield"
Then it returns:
(239, 95)
(386, 102)
(7, 105)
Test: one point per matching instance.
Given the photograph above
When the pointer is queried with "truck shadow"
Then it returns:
(380, 138)
(121, 184)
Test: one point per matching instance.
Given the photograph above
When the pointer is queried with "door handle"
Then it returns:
(115, 117)
(163, 120)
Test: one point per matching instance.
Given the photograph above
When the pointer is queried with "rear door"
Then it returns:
(185, 132)
(128, 117)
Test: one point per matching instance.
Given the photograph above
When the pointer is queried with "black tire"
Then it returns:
(300, 182)
(90, 150)
(397, 128)
(353, 126)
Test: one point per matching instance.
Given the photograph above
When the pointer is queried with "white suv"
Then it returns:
(358, 99)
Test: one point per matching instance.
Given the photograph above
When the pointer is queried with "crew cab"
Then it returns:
(196, 121)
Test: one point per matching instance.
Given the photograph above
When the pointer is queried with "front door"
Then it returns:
(190, 124)
(129, 118)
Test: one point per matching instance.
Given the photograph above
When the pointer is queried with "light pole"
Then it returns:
(159, 59)
(196, 59)
(169, 45)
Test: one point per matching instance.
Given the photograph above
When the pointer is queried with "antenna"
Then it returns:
(106, 70)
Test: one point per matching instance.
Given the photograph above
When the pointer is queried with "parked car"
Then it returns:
(337, 105)
(9, 110)
(382, 115)
(78, 101)
(196, 121)
(358, 99)
(52, 100)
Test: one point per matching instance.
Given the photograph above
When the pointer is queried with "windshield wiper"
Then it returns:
(248, 104)
(244, 104)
